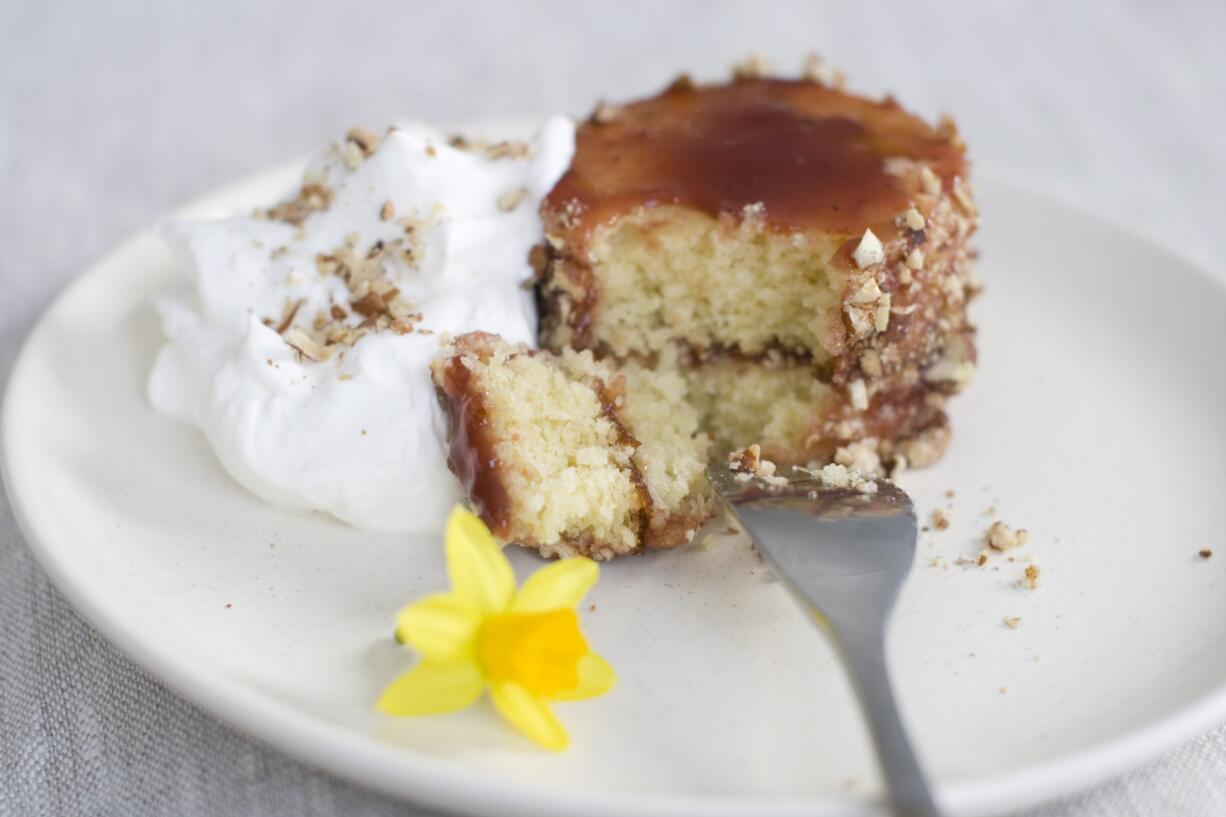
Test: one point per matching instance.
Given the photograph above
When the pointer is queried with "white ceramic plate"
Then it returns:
(1095, 422)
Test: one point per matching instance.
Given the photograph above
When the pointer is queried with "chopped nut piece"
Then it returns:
(509, 200)
(1204, 553)
(858, 394)
(1001, 537)
(930, 181)
(351, 155)
(311, 198)
(940, 519)
(508, 150)
(752, 67)
(869, 251)
(301, 342)
(964, 199)
(870, 363)
(288, 312)
(1030, 577)
(914, 219)
(869, 292)
(365, 139)
(746, 459)
(905, 278)
(881, 315)
(915, 259)
(815, 69)
(605, 113)
(947, 129)
(982, 559)
(1012, 622)
(388, 211)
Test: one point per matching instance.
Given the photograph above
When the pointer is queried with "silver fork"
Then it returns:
(844, 555)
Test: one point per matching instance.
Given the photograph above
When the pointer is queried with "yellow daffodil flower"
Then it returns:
(524, 644)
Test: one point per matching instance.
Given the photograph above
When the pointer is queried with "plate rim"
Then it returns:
(415, 776)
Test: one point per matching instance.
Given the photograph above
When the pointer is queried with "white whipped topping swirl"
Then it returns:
(357, 433)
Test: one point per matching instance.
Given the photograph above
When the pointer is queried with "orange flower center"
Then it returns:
(539, 651)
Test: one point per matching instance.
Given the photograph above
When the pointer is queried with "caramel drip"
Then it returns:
(812, 157)
(472, 455)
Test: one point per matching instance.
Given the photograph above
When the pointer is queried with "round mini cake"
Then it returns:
(800, 255)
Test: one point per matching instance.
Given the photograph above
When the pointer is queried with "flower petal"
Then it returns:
(440, 626)
(433, 688)
(560, 585)
(479, 571)
(529, 714)
(596, 677)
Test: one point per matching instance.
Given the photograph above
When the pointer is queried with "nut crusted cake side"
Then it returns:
(779, 233)
(562, 454)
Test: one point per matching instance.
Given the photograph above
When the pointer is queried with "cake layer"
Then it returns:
(562, 454)
(780, 404)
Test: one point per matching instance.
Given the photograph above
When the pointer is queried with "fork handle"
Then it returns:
(905, 781)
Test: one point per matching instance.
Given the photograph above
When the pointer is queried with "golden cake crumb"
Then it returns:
(1030, 577)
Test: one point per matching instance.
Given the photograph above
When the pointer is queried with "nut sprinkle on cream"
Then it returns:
(300, 342)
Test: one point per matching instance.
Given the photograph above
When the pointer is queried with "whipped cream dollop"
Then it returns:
(301, 346)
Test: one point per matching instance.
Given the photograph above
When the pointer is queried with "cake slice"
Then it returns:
(561, 453)
(797, 254)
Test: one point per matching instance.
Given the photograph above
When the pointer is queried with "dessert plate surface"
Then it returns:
(1095, 422)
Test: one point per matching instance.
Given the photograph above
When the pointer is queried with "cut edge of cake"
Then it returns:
(560, 453)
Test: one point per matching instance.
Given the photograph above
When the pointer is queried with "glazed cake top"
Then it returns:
(812, 156)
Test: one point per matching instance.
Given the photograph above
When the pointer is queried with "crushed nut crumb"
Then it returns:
(940, 519)
(509, 200)
(753, 66)
(857, 392)
(815, 69)
(605, 113)
(930, 181)
(1001, 537)
(1030, 577)
(1012, 622)
(869, 251)
(870, 363)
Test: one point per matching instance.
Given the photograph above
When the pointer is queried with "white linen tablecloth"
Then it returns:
(112, 112)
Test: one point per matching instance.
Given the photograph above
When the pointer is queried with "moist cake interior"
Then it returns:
(564, 454)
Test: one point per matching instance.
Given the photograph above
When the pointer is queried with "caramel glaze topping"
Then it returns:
(811, 155)
(472, 456)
